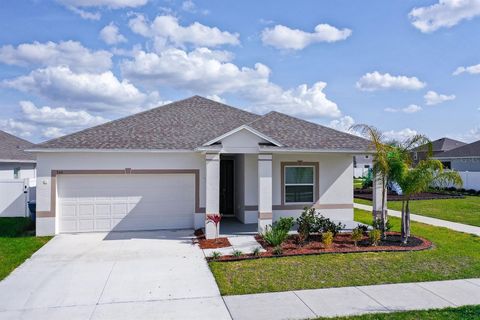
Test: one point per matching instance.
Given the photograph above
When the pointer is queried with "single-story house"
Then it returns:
(439, 147)
(463, 158)
(15, 163)
(172, 166)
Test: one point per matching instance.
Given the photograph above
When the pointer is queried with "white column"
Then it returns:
(212, 192)
(265, 214)
(377, 197)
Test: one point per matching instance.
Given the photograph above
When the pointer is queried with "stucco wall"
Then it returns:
(107, 161)
(27, 170)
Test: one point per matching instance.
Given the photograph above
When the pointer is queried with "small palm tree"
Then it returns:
(419, 179)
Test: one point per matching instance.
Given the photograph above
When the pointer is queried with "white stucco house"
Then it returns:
(170, 167)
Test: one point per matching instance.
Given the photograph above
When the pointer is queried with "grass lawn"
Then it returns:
(357, 183)
(458, 210)
(461, 313)
(17, 243)
(456, 255)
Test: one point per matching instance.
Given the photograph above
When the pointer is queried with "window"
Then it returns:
(367, 166)
(299, 184)
(415, 156)
(16, 173)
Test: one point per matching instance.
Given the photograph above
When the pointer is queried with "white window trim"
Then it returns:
(285, 184)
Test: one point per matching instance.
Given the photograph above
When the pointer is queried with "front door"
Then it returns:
(227, 183)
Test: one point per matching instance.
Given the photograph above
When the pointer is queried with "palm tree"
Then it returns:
(419, 179)
(380, 164)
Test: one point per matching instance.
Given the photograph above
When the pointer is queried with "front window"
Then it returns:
(299, 184)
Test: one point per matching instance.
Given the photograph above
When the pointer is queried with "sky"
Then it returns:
(403, 66)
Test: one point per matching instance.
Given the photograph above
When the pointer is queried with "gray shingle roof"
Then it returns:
(188, 124)
(12, 148)
(468, 150)
(295, 133)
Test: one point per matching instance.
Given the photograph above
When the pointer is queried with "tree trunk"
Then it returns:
(384, 215)
(404, 235)
(408, 219)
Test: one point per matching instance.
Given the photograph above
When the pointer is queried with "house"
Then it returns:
(174, 166)
(17, 176)
(15, 163)
(362, 163)
(439, 147)
(463, 158)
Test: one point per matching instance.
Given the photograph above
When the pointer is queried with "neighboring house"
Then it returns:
(17, 174)
(464, 158)
(439, 147)
(172, 166)
(15, 163)
(362, 164)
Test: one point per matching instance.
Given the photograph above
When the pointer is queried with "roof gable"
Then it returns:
(469, 150)
(244, 128)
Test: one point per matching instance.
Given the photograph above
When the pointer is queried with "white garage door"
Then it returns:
(125, 202)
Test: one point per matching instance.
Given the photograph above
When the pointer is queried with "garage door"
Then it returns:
(125, 202)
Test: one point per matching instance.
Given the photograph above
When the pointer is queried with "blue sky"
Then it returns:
(404, 66)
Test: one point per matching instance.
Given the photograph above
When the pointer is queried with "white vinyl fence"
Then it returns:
(360, 172)
(471, 180)
(14, 197)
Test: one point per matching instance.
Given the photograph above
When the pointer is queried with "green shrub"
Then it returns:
(256, 251)
(357, 235)
(237, 253)
(275, 236)
(375, 236)
(377, 224)
(284, 223)
(327, 239)
(215, 255)
(306, 223)
(323, 224)
(278, 250)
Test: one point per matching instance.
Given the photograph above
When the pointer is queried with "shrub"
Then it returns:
(278, 250)
(362, 227)
(377, 224)
(215, 255)
(327, 239)
(375, 236)
(357, 235)
(256, 251)
(306, 223)
(237, 253)
(323, 224)
(284, 223)
(275, 236)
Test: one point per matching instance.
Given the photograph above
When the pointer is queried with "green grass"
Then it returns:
(357, 183)
(456, 255)
(461, 313)
(17, 243)
(465, 210)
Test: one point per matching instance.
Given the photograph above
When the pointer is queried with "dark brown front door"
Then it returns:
(227, 187)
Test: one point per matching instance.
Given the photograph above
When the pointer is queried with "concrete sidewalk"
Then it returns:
(306, 304)
(431, 221)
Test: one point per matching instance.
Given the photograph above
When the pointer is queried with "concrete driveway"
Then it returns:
(118, 275)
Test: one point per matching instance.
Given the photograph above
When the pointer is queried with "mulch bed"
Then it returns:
(342, 244)
(210, 243)
(367, 195)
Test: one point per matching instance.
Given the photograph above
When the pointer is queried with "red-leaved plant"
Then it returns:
(215, 219)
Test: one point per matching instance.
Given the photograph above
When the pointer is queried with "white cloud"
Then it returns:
(70, 53)
(413, 108)
(433, 98)
(111, 4)
(475, 69)
(212, 73)
(59, 117)
(166, 31)
(377, 81)
(217, 98)
(111, 35)
(444, 14)
(400, 135)
(189, 6)
(17, 128)
(87, 15)
(53, 132)
(96, 91)
(471, 135)
(343, 124)
(282, 37)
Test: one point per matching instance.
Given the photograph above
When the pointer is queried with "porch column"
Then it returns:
(212, 192)
(377, 197)
(265, 214)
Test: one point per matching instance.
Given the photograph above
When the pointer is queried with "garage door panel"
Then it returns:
(125, 202)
